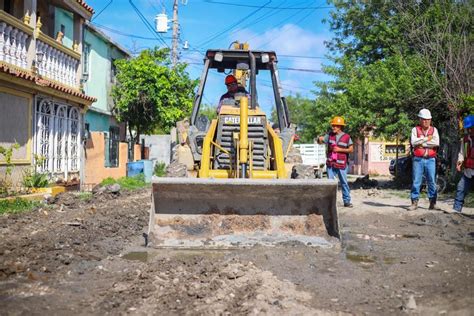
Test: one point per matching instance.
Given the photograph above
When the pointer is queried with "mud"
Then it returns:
(86, 256)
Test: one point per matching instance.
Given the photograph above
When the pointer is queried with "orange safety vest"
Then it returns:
(422, 151)
(468, 153)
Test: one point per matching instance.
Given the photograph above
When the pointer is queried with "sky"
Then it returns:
(292, 28)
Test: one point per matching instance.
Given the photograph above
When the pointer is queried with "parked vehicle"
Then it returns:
(404, 175)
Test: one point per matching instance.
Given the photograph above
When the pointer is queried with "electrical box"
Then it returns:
(161, 23)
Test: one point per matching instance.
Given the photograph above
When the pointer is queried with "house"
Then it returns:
(372, 155)
(106, 150)
(42, 105)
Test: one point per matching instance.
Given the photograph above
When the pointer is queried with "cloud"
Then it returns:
(289, 39)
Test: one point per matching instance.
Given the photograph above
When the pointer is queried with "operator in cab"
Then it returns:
(233, 88)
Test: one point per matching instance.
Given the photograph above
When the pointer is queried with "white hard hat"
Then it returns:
(425, 114)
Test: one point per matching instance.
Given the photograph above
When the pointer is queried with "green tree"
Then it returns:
(151, 95)
(393, 58)
(208, 111)
(300, 109)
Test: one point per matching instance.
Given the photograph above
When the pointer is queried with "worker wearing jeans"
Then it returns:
(465, 164)
(424, 166)
(341, 174)
(424, 141)
(339, 146)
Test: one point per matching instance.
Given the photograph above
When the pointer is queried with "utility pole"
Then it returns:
(174, 44)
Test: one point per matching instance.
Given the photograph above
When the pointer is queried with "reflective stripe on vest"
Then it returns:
(468, 153)
(341, 161)
(422, 151)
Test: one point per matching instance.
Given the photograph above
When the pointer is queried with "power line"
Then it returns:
(123, 33)
(261, 18)
(301, 69)
(304, 57)
(103, 9)
(291, 26)
(147, 24)
(271, 8)
(234, 25)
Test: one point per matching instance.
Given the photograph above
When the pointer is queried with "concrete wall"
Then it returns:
(95, 170)
(16, 120)
(16, 124)
(100, 80)
(98, 122)
(371, 156)
(63, 17)
(159, 147)
(98, 84)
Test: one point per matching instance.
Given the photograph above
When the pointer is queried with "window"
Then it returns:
(86, 60)
(112, 154)
(57, 137)
(113, 70)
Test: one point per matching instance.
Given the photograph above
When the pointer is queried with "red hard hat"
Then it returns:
(230, 79)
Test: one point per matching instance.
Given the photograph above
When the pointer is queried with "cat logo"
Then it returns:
(254, 120)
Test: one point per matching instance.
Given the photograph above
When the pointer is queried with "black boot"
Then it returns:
(432, 204)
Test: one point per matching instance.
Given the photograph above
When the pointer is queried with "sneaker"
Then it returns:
(413, 206)
(348, 204)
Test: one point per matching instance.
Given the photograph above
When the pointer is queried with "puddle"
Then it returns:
(137, 255)
(411, 236)
(389, 260)
(357, 258)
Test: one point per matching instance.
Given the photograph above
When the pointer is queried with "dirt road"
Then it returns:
(85, 256)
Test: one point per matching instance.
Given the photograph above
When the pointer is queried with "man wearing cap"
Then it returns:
(466, 161)
(232, 88)
(425, 142)
(340, 145)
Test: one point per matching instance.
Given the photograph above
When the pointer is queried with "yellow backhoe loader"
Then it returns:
(241, 194)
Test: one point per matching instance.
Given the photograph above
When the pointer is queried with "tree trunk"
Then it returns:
(396, 155)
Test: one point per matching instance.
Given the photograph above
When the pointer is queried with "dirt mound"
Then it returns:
(202, 286)
(364, 183)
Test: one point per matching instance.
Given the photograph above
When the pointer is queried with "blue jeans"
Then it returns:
(427, 168)
(464, 186)
(342, 175)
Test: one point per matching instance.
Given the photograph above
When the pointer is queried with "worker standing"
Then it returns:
(466, 161)
(339, 146)
(424, 142)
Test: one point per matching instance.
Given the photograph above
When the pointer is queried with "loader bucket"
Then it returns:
(227, 213)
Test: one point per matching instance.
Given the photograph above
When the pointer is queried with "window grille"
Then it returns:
(114, 142)
(57, 137)
(86, 59)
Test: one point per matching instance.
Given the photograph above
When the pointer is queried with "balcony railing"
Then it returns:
(52, 59)
(58, 62)
(15, 36)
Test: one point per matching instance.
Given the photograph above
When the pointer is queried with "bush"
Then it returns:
(108, 181)
(160, 169)
(127, 183)
(17, 205)
(33, 179)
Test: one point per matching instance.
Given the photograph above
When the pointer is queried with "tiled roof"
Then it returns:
(85, 6)
(43, 81)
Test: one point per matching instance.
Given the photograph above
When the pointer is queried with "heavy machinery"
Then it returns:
(241, 194)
